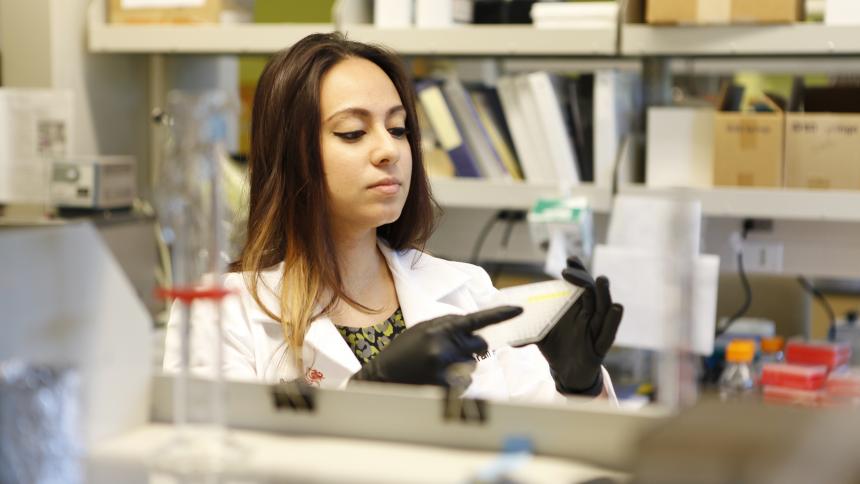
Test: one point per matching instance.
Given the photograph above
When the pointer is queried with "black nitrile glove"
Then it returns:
(422, 354)
(576, 346)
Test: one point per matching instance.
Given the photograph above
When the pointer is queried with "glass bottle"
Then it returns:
(737, 381)
(771, 352)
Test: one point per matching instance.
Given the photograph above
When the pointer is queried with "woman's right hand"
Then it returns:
(422, 354)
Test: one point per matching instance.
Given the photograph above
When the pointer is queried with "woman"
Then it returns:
(332, 285)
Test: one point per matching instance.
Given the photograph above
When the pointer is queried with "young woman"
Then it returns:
(332, 285)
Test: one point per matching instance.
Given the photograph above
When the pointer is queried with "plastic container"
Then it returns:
(793, 396)
(737, 381)
(832, 355)
(845, 383)
(794, 376)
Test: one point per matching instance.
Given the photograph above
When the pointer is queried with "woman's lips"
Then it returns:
(389, 186)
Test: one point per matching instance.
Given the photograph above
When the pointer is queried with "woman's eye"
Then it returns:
(397, 132)
(350, 135)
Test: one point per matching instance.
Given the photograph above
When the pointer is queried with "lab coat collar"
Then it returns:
(422, 281)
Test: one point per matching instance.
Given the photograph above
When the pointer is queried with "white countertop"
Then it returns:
(267, 457)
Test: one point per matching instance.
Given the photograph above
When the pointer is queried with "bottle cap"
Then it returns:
(740, 351)
(772, 344)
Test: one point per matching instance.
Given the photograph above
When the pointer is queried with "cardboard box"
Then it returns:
(748, 149)
(184, 12)
(723, 11)
(680, 148)
(767, 11)
(688, 11)
(822, 151)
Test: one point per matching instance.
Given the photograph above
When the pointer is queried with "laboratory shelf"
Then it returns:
(198, 39)
(773, 203)
(493, 194)
(796, 39)
(524, 40)
(269, 38)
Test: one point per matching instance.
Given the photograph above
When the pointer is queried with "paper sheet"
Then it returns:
(656, 224)
(642, 283)
(543, 304)
(35, 128)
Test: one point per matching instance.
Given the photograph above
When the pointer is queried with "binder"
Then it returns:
(523, 144)
(580, 100)
(444, 125)
(493, 124)
(615, 108)
(474, 133)
(542, 158)
(547, 100)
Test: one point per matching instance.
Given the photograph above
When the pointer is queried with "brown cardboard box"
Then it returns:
(822, 150)
(209, 12)
(748, 149)
(723, 11)
(687, 11)
(768, 11)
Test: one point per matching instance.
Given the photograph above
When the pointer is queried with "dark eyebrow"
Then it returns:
(364, 113)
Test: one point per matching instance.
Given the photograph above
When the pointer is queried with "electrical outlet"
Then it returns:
(763, 256)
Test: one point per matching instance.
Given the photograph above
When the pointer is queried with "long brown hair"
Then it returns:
(289, 216)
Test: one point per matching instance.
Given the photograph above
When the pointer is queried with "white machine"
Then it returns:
(94, 182)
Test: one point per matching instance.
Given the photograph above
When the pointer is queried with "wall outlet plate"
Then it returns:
(763, 256)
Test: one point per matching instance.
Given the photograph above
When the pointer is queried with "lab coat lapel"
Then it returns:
(421, 282)
(328, 361)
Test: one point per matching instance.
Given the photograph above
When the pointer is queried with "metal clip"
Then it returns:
(467, 410)
(294, 396)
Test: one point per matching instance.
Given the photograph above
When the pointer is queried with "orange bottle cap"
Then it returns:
(740, 351)
(773, 344)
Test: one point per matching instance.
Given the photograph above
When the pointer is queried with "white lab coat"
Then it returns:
(427, 287)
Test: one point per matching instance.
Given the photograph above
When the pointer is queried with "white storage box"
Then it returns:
(392, 14)
(442, 13)
(680, 148)
(842, 12)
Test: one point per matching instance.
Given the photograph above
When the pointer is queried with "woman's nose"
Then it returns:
(385, 148)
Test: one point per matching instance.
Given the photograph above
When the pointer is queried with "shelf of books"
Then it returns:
(796, 39)
(773, 203)
(498, 194)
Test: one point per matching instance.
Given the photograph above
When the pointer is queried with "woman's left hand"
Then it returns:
(576, 346)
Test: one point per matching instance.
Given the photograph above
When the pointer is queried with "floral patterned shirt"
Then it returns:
(367, 342)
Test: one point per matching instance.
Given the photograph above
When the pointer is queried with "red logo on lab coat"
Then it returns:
(314, 377)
